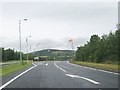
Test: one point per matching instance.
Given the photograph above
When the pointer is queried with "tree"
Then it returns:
(100, 50)
(9, 54)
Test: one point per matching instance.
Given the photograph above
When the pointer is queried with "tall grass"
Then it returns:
(110, 67)
(12, 68)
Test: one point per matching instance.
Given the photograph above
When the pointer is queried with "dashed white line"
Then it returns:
(17, 76)
(60, 68)
(43, 63)
(76, 76)
(46, 64)
(65, 66)
(56, 65)
(63, 70)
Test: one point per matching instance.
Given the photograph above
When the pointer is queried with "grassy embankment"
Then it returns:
(13, 68)
(109, 67)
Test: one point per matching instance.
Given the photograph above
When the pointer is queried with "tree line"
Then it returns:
(102, 49)
(11, 54)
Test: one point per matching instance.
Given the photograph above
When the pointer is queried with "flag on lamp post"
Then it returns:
(26, 39)
(70, 40)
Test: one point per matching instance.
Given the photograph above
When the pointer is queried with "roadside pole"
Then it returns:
(72, 46)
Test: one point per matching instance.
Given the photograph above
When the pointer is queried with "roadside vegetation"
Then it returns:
(13, 68)
(100, 52)
(100, 49)
(12, 55)
(109, 67)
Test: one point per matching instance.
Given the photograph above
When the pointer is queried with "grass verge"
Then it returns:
(13, 67)
(109, 67)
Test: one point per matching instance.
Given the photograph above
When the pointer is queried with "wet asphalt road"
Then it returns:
(61, 74)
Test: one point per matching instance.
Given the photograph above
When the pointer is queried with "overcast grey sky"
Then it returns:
(50, 24)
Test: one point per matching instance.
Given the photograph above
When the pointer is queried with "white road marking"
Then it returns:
(34, 64)
(43, 63)
(65, 66)
(60, 68)
(17, 76)
(94, 68)
(108, 72)
(76, 76)
(56, 65)
(81, 66)
(46, 64)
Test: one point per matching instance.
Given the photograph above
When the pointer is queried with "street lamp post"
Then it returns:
(71, 41)
(73, 51)
(27, 46)
(48, 56)
(20, 37)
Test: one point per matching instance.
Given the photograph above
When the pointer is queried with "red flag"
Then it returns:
(70, 40)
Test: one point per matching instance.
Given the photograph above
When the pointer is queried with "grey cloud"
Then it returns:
(61, 44)
(48, 43)
(83, 18)
(69, 11)
(45, 44)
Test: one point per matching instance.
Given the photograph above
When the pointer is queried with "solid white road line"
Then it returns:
(81, 66)
(94, 68)
(60, 68)
(17, 76)
(34, 64)
(108, 72)
(76, 76)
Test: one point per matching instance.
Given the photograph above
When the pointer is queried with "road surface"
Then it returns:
(61, 74)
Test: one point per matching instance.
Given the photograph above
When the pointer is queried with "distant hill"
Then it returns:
(54, 54)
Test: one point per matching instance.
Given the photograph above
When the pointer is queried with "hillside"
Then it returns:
(53, 54)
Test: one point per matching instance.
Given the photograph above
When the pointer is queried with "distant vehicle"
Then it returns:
(39, 59)
(36, 58)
